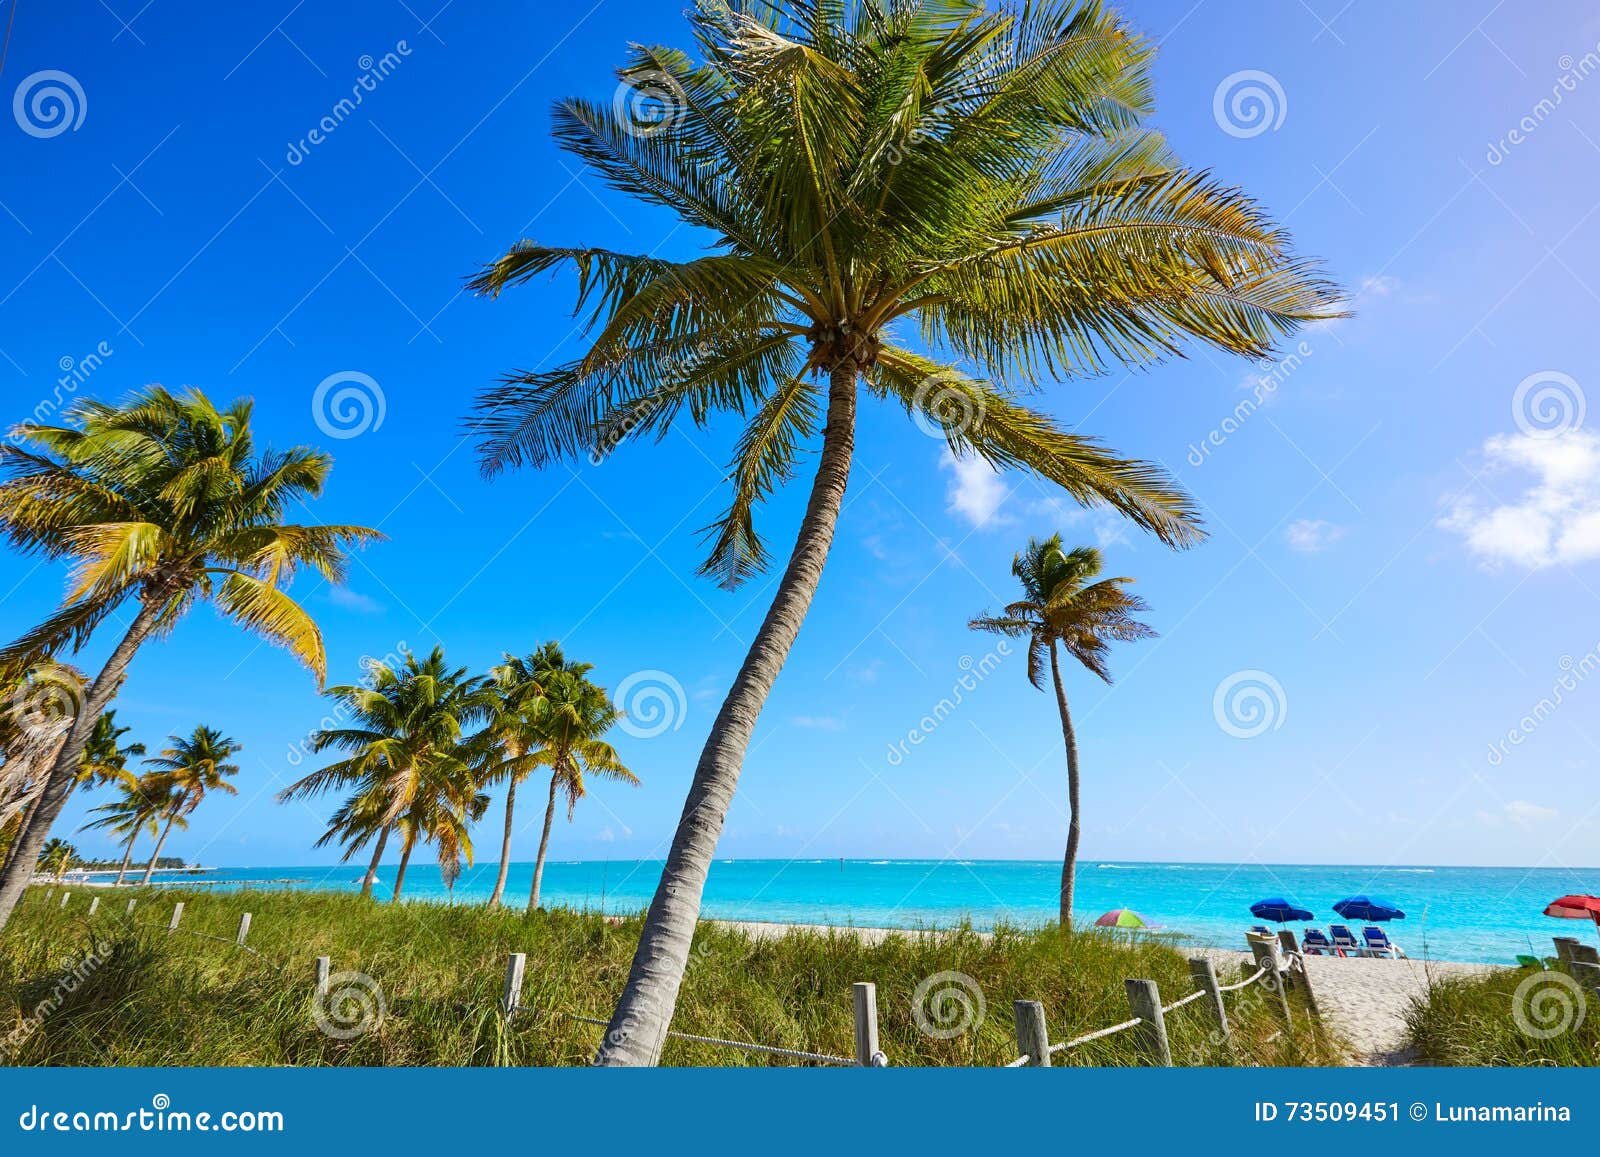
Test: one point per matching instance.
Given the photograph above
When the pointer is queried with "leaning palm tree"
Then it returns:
(982, 174)
(508, 741)
(575, 717)
(105, 759)
(445, 805)
(1066, 606)
(56, 858)
(158, 503)
(192, 767)
(408, 729)
(135, 813)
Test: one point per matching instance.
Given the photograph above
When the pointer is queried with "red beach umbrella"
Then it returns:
(1575, 908)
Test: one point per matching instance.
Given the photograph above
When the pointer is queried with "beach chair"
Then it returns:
(1343, 942)
(1526, 961)
(1379, 944)
(1316, 943)
(1261, 930)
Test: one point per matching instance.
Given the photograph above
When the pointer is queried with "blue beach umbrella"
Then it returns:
(1278, 910)
(1368, 908)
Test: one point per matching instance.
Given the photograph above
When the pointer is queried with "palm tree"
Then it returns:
(405, 745)
(981, 173)
(185, 772)
(56, 858)
(104, 759)
(575, 717)
(1063, 606)
(137, 812)
(159, 503)
(446, 804)
(511, 736)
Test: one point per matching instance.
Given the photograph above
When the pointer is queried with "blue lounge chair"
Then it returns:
(1379, 944)
(1316, 943)
(1344, 943)
(1261, 930)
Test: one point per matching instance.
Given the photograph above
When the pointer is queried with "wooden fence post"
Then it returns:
(94, 905)
(131, 903)
(1267, 957)
(244, 929)
(511, 998)
(1205, 980)
(65, 896)
(324, 966)
(1564, 947)
(177, 914)
(1585, 954)
(865, 998)
(1586, 974)
(1287, 941)
(1303, 974)
(1144, 1000)
(1033, 1038)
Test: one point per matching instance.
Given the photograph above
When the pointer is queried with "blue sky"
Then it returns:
(1403, 530)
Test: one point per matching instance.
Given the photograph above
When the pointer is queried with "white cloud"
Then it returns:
(1520, 811)
(353, 601)
(976, 491)
(818, 722)
(1555, 520)
(1313, 534)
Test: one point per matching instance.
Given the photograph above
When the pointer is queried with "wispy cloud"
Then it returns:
(1554, 520)
(355, 601)
(1311, 535)
(976, 491)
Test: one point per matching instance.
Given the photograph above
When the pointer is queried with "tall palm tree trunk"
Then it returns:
(127, 857)
(639, 1025)
(150, 868)
(59, 779)
(544, 846)
(505, 846)
(405, 859)
(1069, 863)
(372, 868)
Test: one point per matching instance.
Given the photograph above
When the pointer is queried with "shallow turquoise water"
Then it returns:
(1474, 914)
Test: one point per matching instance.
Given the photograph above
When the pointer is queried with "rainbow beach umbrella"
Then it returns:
(1122, 918)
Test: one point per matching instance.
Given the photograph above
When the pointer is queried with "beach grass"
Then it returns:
(1510, 1017)
(193, 998)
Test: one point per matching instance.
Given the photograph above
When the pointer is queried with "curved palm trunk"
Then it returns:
(372, 868)
(150, 868)
(544, 846)
(639, 1025)
(505, 846)
(405, 859)
(58, 781)
(1069, 864)
(127, 858)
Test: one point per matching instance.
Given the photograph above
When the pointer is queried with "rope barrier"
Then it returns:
(1024, 1059)
(748, 1046)
(1246, 983)
(1087, 1037)
(1177, 1004)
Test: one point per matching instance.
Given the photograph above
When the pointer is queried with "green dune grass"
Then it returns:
(192, 998)
(1509, 1017)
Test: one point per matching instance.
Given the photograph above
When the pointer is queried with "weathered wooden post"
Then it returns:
(65, 896)
(94, 905)
(131, 903)
(1033, 1038)
(324, 967)
(1302, 972)
(1585, 954)
(177, 914)
(1205, 980)
(511, 998)
(1144, 1000)
(1287, 941)
(1586, 974)
(865, 997)
(1564, 947)
(1267, 958)
(244, 929)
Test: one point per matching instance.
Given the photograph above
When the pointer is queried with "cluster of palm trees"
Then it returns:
(981, 174)
(424, 740)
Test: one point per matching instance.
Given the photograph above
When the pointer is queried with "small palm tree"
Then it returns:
(136, 812)
(570, 728)
(160, 502)
(406, 744)
(105, 759)
(56, 858)
(185, 773)
(1066, 605)
(979, 174)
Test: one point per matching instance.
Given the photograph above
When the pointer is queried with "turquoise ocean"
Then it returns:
(1470, 914)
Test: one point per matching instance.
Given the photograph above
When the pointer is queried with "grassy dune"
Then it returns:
(185, 999)
(1511, 1017)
